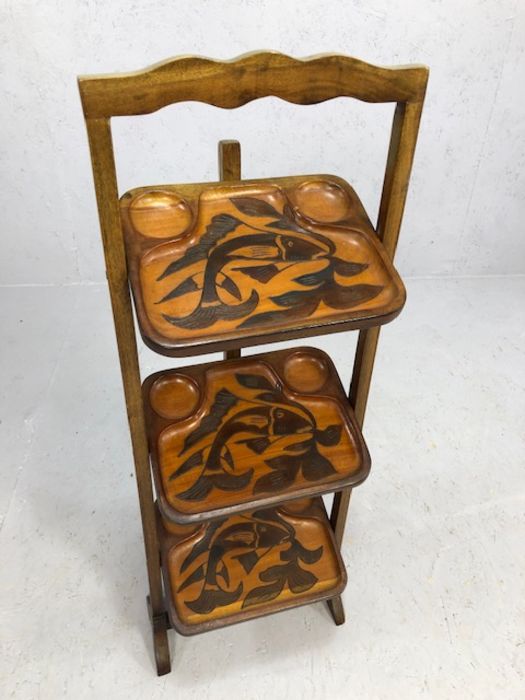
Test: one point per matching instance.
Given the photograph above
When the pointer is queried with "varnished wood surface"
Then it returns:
(250, 564)
(254, 262)
(250, 432)
(233, 83)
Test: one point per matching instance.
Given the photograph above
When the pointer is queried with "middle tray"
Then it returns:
(231, 435)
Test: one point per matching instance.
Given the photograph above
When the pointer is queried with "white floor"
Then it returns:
(435, 545)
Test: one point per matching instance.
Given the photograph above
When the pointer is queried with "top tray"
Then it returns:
(215, 266)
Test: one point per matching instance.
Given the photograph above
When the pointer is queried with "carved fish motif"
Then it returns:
(247, 542)
(262, 254)
(270, 418)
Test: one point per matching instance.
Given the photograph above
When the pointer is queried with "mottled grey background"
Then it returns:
(466, 205)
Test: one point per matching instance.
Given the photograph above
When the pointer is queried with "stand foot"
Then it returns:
(335, 605)
(160, 625)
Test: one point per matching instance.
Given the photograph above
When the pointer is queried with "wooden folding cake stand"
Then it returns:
(241, 450)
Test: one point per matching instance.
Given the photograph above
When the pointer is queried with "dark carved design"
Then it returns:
(269, 418)
(262, 251)
(247, 542)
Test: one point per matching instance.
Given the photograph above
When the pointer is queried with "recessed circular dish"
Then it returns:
(305, 373)
(174, 397)
(160, 214)
(322, 201)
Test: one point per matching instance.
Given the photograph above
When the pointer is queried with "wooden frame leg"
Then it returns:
(358, 397)
(101, 147)
(160, 625)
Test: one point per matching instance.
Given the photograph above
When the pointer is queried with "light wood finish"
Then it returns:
(227, 436)
(231, 84)
(260, 261)
(249, 565)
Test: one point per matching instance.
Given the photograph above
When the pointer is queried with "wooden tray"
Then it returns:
(214, 266)
(249, 565)
(231, 435)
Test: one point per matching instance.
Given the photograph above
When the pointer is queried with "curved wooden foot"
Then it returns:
(335, 605)
(160, 625)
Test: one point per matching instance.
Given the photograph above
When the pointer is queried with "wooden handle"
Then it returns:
(230, 84)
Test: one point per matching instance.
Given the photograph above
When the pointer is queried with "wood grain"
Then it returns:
(249, 565)
(227, 436)
(260, 261)
(231, 84)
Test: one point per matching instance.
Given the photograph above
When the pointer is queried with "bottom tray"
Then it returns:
(249, 565)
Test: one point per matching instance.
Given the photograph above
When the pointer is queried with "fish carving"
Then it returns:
(267, 417)
(261, 253)
(211, 562)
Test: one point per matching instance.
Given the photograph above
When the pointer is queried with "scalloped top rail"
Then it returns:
(233, 83)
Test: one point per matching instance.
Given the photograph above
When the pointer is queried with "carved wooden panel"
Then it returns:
(250, 564)
(254, 262)
(224, 436)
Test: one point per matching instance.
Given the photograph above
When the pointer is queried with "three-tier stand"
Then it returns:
(241, 450)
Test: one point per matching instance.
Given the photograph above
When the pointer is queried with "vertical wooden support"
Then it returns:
(229, 160)
(395, 185)
(100, 143)
(230, 169)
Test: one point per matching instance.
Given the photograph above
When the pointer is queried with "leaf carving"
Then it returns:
(316, 466)
(263, 594)
(202, 545)
(247, 560)
(269, 396)
(253, 381)
(189, 464)
(300, 580)
(198, 492)
(293, 298)
(223, 573)
(298, 446)
(341, 297)
(229, 285)
(276, 480)
(314, 279)
(228, 458)
(309, 556)
(232, 482)
(348, 269)
(284, 224)
(257, 445)
(251, 206)
(197, 575)
(329, 436)
(274, 573)
(283, 462)
(185, 287)
(261, 273)
(211, 599)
